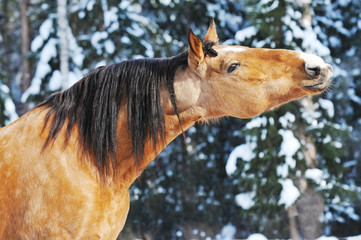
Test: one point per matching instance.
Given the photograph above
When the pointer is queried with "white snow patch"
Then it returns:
(314, 174)
(358, 237)
(111, 19)
(125, 40)
(44, 33)
(74, 76)
(10, 110)
(245, 200)
(109, 46)
(76, 52)
(149, 49)
(328, 106)
(244, 151)
(327, 238)
(351, 93)
(45, 28)
(135, 30)
(344, 3)
(228, 232)
(48, 52)
(290, 145)
(257, 236)
(55, 81)
(312, 44)
(334, 41)
(245, 33)
(257, 123)
(165, 2)
(98, 36)
(36, 43)
(327, 139)
(286, 119)
(289, 193)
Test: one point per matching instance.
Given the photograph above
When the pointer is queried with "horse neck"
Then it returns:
(187, 90)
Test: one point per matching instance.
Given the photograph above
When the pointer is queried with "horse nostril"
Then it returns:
(313, 71)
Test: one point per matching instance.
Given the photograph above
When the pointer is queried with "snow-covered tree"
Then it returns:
(291, 157)
(285, 159)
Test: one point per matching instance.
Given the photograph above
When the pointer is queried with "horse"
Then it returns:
(66, 165)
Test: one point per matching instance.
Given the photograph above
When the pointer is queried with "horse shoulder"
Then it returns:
(52, 193)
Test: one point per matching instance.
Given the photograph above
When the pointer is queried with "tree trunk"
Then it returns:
(310, 206)
(25, 49)
(5, 36)
(292, 214)
(63, 36)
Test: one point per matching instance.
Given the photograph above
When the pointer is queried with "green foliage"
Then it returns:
(187, 189)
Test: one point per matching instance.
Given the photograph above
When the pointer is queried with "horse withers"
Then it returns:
(66, 166)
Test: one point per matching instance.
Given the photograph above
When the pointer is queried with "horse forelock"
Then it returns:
(208, 49)
(93, 105)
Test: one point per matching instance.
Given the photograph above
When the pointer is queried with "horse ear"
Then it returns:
(211, 35)
(195, 51)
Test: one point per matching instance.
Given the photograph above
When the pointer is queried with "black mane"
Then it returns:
(93, 105)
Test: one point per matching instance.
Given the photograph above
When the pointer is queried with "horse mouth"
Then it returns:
(321, 80)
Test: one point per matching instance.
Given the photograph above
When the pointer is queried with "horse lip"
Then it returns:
(315, 87)
(322, 82)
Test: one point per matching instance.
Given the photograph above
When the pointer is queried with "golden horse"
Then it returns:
(66, 166)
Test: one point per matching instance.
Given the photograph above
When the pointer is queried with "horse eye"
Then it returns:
(233, 67)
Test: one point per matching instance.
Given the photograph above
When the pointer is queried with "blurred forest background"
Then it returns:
(291, 173)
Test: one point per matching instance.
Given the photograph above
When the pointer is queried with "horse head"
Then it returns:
(244, 82)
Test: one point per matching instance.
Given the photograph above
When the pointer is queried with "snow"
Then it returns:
(76, 53)
(287, 119)
(95, 41)
(289, 193)
(244, 151)
(257, 236)
(90, 5)
(257, 122)
(48, 52)
(334, 41)
(109, 46)
(46, 28)
(111, 19)
(74, 76)
(55, 81)
(10, 111)
(36, 43)
(245, 33)
(328, 106)
(265, 8)
(245, 200)
(327, 238)
(228, 232)
(44, 33)
(314, 174)
(289, 146)
(135, 30)
(354, 238)
(149, 49)
(353, 96)
(165, 2)
(312, 44)
(125, 40)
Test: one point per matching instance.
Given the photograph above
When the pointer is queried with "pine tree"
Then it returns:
(281, 161)
(340, 29)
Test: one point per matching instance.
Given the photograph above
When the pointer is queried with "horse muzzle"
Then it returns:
(318, 72)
